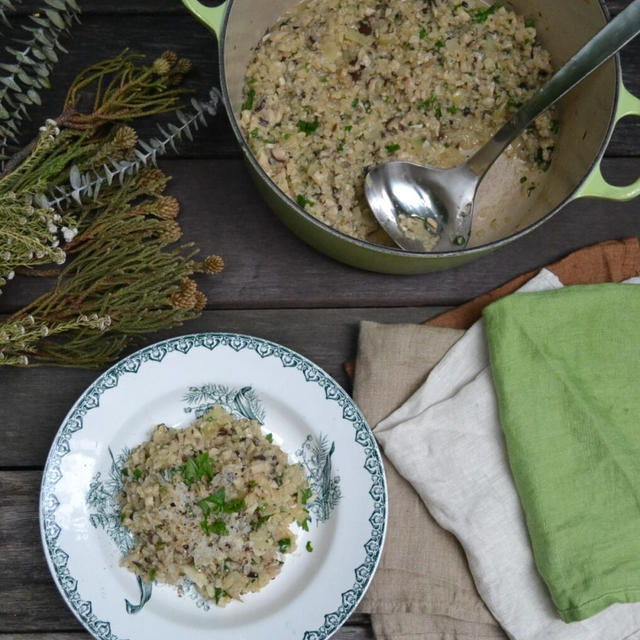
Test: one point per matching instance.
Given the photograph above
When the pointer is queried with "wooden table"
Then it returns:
(274, 286)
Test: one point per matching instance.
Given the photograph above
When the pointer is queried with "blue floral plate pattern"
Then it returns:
(176, 381)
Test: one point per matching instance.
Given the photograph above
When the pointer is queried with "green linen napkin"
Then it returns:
(566, 369)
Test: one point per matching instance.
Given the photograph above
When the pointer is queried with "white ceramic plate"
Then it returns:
(175, 381)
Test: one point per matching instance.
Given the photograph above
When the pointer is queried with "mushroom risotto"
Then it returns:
(212, 504)
(337, 87)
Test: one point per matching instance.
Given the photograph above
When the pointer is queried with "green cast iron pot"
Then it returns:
(588, 116)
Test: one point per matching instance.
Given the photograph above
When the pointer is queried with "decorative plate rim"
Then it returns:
(89, 399)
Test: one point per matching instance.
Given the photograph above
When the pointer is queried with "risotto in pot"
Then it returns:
(335, 88)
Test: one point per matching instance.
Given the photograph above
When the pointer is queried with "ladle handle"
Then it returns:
(606, 43)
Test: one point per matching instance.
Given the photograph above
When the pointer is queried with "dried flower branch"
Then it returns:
(121, 284)
(34, 58)
(89, 184)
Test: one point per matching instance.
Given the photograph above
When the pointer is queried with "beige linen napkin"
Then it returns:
(423, 589)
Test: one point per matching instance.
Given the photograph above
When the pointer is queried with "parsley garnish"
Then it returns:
(248, 103)
(259, 522)
(303, 202)
(555, 126)
(125, 472)
(308, 546)
(423, 34)
(306, 494)
(530, 23)
(480, 15)
(452, 109)
(392, 148)
(304, 524)
(137, 474)
(269, 437)
(348, 127)
(217, 503)
(355, 102)
(284, 544)
(152, 575)
(254, 134)
(308, 127)
(197, 468)
(218, 593)
(341, 146)
(439, 44)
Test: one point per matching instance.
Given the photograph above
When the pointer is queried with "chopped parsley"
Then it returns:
(137, 474)
(480, 15)
(452, 109)
(304, 524)
(308, 127)
(341, 146)
(555, 126)
(439, 44)
(303, 202)
(197, 468)
(438, 112)
(218, 593)
(125, 472)
(218, 527)
(269, 437)
(152, 575)
(530, 23)
(217, 503)
(256, 524)
(284, 544)
(348, 127)
(431, 103)
(513, 104)
(248, 103)
(308, 546)
(306, 495)
(392, 148)
(355, 102)
(255, 133)
(423, 34)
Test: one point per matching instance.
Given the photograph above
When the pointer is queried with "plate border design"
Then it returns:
(57, 558)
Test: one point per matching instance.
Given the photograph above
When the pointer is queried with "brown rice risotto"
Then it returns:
(337, 87)
(212, 503)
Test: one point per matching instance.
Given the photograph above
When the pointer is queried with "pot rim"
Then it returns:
(391, 251)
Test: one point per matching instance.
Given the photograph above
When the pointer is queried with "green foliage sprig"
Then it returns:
(33, 58)
(86, 193)
(122, 283)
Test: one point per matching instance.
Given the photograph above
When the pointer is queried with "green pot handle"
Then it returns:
(595, 186)
(211, 17)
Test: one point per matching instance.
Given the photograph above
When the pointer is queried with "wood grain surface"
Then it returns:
(274, 285)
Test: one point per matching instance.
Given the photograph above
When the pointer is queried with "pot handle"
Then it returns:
(595, 186)
(211, 17)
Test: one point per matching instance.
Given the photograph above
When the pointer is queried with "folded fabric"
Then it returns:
(566, 370)
(422, 589)
(447, 442)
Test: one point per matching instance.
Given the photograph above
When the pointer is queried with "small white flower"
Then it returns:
(24, 361)
(30, 320)
(69, 234)
(52, 228)
(60, 256)
(44, 331)
(11, 275)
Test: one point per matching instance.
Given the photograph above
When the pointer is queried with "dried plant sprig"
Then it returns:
(122, 284)
(33, 58)
(124, 89)
(89, 184)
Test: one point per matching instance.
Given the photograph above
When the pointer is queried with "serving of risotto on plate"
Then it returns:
(212, 504)
(335, 88)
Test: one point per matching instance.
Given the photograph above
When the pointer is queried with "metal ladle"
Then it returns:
(425, 209)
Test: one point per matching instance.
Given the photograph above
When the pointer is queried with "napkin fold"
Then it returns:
(447, 442)
(409, 598)
(566, 370)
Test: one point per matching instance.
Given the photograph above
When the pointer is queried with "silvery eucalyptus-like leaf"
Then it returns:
(75, 180)
(35, 97)
(10, 82)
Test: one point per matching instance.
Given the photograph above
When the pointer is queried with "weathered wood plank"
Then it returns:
(106, 29)
(35, 401)
(223, 213)
(29, 600)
